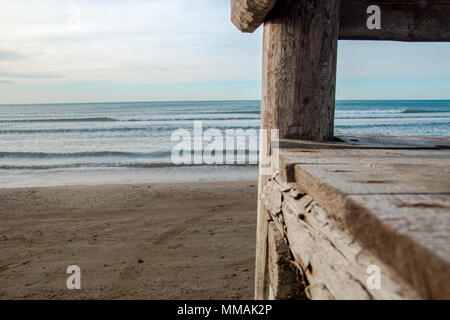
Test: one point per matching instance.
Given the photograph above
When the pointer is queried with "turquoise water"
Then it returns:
(60, 144)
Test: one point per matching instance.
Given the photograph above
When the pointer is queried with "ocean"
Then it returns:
(106, 143)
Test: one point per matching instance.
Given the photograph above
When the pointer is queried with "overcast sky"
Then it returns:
(143, 50)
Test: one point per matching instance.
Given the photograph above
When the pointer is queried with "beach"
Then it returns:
(135, 241)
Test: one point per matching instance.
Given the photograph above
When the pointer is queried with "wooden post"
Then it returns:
(298, 89)
(299, 69)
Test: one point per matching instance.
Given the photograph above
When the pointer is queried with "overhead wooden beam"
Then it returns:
(401, 20)
(248, 15)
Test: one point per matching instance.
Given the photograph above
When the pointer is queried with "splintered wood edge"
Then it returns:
(248, 15)
(332, 261)
(426, 271)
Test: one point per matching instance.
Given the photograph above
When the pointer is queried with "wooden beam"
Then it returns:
(401, 20)
(248, 15)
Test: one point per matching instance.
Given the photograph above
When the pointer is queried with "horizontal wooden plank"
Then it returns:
(402, 20)
(395, 200)
(333, 262)
(411, 232)
(363, 156)
(408, 232)
(381, 178)
(370, 142)
(361, 150)
(248, 15)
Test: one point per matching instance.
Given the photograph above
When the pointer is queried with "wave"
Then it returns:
(390, 118)
(118, 129)
(87, 154)
(117, 165)
(46, 155)
(100, 119)
(192, 119)
(390, 125)
(80, 130)
(423, 111)
(106, 119)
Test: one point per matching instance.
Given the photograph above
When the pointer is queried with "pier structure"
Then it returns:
(352, 217)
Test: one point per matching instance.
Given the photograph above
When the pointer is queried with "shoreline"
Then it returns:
(36, 178)
(131, 241)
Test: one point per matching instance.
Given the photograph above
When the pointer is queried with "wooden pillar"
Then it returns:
(299, 68)
(298, 89)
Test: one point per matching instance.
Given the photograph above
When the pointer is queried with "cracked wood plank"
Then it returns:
(283, 282)
(333, 262)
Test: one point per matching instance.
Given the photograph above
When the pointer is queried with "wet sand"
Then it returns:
(152, 241)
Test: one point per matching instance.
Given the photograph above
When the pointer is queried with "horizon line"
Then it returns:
(207, 100)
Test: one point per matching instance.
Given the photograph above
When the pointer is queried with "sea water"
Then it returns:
(130, 142)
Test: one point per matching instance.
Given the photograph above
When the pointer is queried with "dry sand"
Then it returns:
(195, 240)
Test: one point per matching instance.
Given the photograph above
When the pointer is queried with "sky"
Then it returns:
(55, 51)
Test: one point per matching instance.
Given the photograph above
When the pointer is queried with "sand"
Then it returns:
(156, 241)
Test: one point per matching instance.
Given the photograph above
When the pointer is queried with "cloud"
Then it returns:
(52, 42)
(152, 41)
(29, 75)
(10, 55)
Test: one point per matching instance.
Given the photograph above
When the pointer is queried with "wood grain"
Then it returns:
(282, 275)
(333, 262)
(401, 20)
(299, 69)
(248, 15)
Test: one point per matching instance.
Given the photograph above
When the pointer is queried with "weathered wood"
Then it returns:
(411, 232)
(402, 20)
(248, 15)
(336, 260)
(261, 285)
(352, 152)
(332, 261)
(379, 178)
(370, 142)
(395, 201)
(299, 76)
(299, 69)
(283, 284)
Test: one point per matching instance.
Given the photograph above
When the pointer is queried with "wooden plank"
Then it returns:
(333, 259)
(367, 151)
(381, 178)
(333, 263)
(396, 201)
(248, 15)
(371, 157)
(370, 142)
(299, 69)
(410, 232)
(282, 275)
(402, 20)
